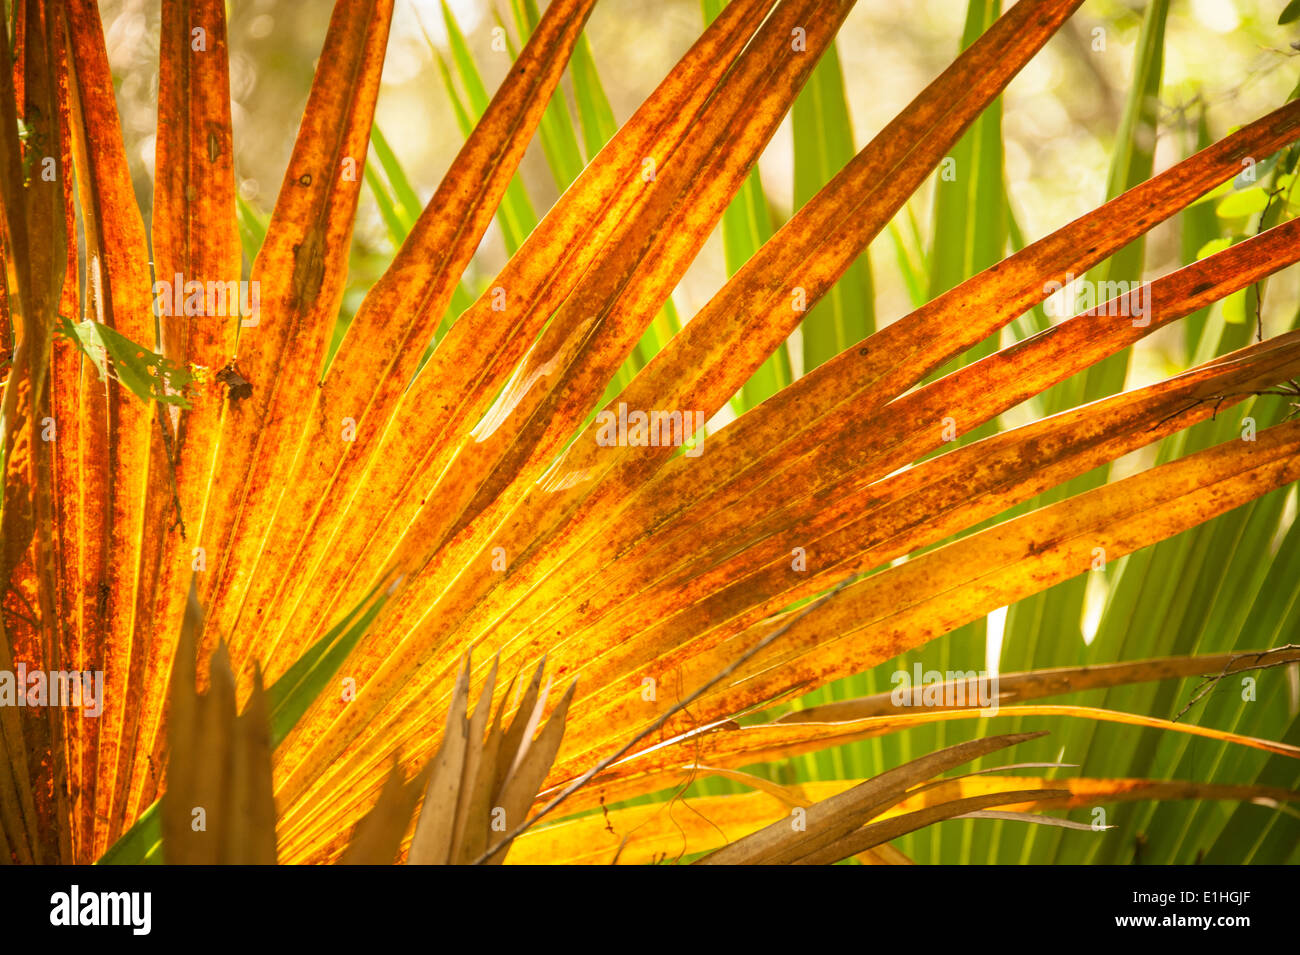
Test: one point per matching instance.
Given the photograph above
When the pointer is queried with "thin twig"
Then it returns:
(1280, 392)
(1210, 682)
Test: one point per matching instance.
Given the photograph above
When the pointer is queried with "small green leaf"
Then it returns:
(1234, 308)
(1211, 247)
(146, 374)
(1240, 205)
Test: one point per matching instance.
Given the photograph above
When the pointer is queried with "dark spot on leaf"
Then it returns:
(304, 179)
(862, 351)
(308, 267)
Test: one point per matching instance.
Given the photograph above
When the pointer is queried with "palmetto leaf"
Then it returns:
(296, 488)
